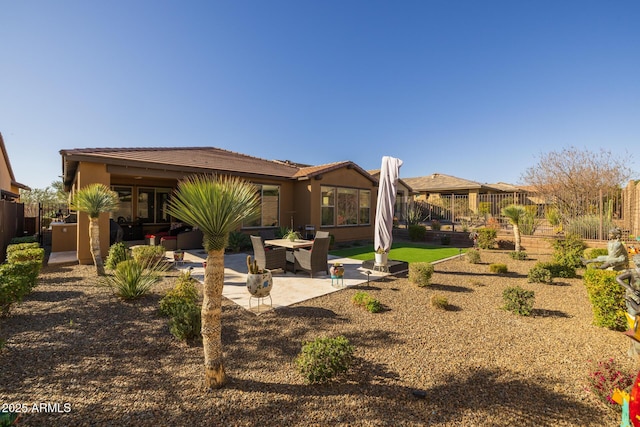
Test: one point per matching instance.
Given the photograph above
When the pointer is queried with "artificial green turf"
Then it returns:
(401, 251)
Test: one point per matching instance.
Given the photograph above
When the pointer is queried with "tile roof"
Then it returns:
(438, 182)
(196, 160)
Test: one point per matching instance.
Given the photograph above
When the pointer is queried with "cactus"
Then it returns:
(252, 266)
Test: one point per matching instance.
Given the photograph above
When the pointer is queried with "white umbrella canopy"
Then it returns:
(389, 174)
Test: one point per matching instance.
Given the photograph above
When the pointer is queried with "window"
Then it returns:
(269, 207)
(345, 206)
(125, 207)
(152, 205)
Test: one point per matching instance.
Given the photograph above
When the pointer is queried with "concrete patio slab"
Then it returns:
(288, 288)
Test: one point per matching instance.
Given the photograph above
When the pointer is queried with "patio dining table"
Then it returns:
(290, 244)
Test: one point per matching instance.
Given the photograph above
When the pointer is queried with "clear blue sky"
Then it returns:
(475, 89)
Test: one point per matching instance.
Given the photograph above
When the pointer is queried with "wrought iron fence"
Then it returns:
(620, 208)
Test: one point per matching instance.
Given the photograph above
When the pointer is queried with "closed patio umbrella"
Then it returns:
(389, 174)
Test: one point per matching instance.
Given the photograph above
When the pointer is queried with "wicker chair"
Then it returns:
(315, 259)
(269, 259)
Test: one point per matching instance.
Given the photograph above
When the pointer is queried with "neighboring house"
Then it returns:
(338, 197)
(9, 187)
(404, 195)
(462, 197)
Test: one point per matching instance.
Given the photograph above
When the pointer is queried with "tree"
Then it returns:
(217, 206)
(516, 214)
(573, 179)
(49, 195)
(93, 200)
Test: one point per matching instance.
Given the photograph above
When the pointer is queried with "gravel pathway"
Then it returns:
(98, 361)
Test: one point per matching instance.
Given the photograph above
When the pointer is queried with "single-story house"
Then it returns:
(9, 187)
(338, 197)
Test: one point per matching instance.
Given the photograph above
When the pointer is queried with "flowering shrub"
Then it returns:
(604, 377)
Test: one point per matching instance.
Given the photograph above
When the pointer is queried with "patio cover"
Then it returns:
(389, 174)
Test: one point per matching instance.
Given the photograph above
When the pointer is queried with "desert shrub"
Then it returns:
(439, 301)
(487, 237)
(607, 299)
(417, 232)
(184, 292)
(520, 255)
(324, 358)
(529, 223)
(13, 287)
(569, 250)
(595, 252)
(238, 241)
(23, 239)
(146, 255)
(604, 377)
(29, 254)
(518, 300)
(25, 270)
(21, 246)
(473, 256)
(118, 252)
(420, 273)
(436, 225)
(558, 270)
(365, 300)
(131, 279)
(539, 274)
(186, 321)
(498, 268)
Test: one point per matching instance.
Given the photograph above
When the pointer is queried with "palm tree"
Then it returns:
(217, 206)
(516, 214)
(93, 200)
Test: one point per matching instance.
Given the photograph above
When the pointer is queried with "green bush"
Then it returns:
(23, 239)
(22, 246)
(185, 292)
(607, 298)
(487, 237)
(27, 270)
(30, 254)
(417, 232)
(420, 273)
(473, 256)
(569, 250)
(146, 255)
(186, 321)
(13, 288)
(558, 270)
(498, 268)
(595, 252)
(131, 279)
(520, 255)
(238, 241)
(363, 299)
(587, 226)
(539, 274)
(435, 225)
(439, 302)
(518, 300)
(324, 358)
(118, 252)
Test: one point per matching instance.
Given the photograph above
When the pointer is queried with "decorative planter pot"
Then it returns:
(178, 255)
(381, 259)
(259, 285)
(337, 271)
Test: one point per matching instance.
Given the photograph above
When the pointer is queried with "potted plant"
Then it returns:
(381, 256)
(259, 282)
(337, 270)
(292, 235)
(178, 255)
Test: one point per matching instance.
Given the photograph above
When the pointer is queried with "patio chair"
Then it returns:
(268, 258)
(313, 260)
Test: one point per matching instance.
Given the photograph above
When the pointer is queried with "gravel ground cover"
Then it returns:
(98, 361)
